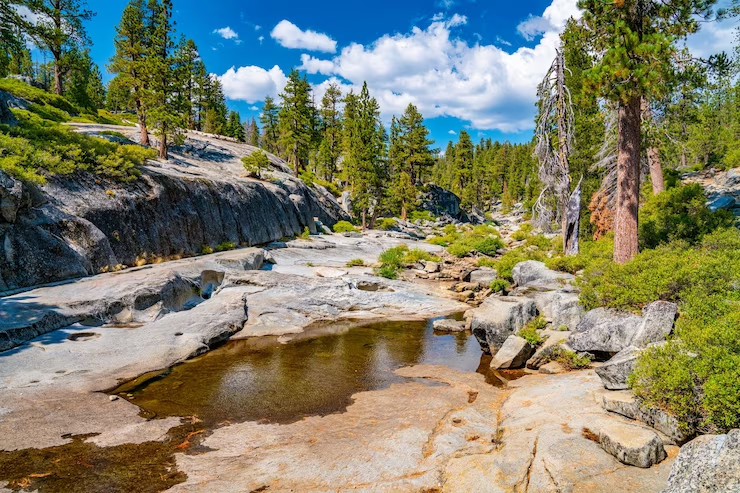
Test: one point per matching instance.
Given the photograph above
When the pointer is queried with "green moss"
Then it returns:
(356, 262)
(499, 285)
(226, 245)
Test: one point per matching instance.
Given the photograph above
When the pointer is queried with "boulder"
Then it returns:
(632, 445)
(534, 274)
(542, 355)
(566, 310)
(621, 402)
(513, 354)
(552, 368)
(614, 372)
(657, 323)
(448, 325)
(604, 331)
(624, 403)
(707, 464)
(431, 267)
(12, 197)
(723, 202)
(729, 179)
(499, 317)
(483, 277)
(346, 202)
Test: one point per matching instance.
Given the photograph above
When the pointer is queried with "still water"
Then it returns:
(281, 380)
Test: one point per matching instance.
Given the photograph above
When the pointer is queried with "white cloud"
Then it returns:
(226, 33)
(713, 38)
(257, 27)
(254, 108)
(554, 18)
(452, 132)
(533, 27)
(446, 4)
(291, 36)
(261, 39)
(252, 83)
(314, 65)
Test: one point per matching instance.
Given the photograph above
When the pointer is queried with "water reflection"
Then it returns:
(314, 373)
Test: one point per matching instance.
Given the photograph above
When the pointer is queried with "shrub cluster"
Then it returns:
(394, 259)
(344, 227)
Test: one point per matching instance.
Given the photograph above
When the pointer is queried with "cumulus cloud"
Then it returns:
(713, 37)
(452, 132)
(226, 33)
(554, 18)
(533, 27)
(291, 36)
(314, 65)
(252, 83)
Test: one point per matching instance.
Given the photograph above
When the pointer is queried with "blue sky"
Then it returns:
(467, 64)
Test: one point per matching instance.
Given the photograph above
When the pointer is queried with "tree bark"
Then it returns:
(653, 154)
(628, 181)
(144, 140)
(163, 145)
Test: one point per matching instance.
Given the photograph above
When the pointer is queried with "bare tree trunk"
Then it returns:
(628, 182)
(563, 150)
(653, 154)
(364, 219)
(57, 77)
(403, 212)
(656, 170)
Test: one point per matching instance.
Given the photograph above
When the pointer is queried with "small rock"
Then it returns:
(542, 355)
(535, 274)
(466, 295)
(632, 445)
(329, 272)
(483, 277)
(621, 402)
(465, 286)
(513, 353)
(614, 372)
(431, 267)
(449, 325)
(112, 398)
(707, 464)
(552, 368)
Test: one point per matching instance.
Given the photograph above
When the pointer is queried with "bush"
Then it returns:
(394, 256)
(486, 262)
(255, 163)
(421, 215)
(540, 241)
(39, 96)
(386, 224)
(459, 250)
(499, 285)
(538, 323)
(416, 255)
(356, 262)
(488, 246)
(206, 250)
(387, 271)
(506, 263)
(226, 245)
(306, 234)
(591, 252)
(569, 359)
(679, 214)
(344, 227)
(693, 376)
(529, 333)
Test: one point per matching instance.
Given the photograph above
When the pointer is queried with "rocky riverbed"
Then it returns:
(432, 428)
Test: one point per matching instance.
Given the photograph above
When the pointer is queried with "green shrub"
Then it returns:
(226, 245)
(113, 133)
(540, 241)
(486, 262)
(394, 256)
(306, 234)
(538, 323)
(416, 255)
(488, 246)
(679, 214)
(387, 271)
(460, 249)
(591, 252)
(356, 262)
(519, 235)
(529, 333)
(206, 250)
(386, 224)
(344, 227)
(36, 95)
(499, 285)
(506, 263)
(569, 359)
(421, 215)
(256, 163)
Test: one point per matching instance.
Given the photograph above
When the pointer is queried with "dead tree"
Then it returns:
(554, 134)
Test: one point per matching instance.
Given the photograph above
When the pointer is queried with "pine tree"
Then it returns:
(270, 120)
(189, 74)
(414, 145)
(12, 46)
(234, 127)
(636, 43)
(294, 121)
(84, 84)
(132, 42)
(160, 70)
(331, 139)
(252, 133)
(463, 164)
(59, 29)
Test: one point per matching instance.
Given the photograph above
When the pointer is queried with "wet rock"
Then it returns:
(632, 445)
(449, 325)
(707, 464)
(552, 339)
(657, 323)
(498, 318)
(483, 277)
(513, 353)
(614, 373)
(604, 331)
(534, 274)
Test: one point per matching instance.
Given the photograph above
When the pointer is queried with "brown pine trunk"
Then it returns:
(57, 77)
(163, 146)
(403, 212)
(656, 170)
(144, 140)
(364, 219)
(628, 181)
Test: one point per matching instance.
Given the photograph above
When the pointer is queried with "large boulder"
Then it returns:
(534, 274)
(614, 372)
(483, 277)
(632, 445)
(566, 310)
(13, 196)
(499, 317)
(604, 331)
(707, 464)
(624, 403)
(657, 323)
(439, 201)
(513, 354)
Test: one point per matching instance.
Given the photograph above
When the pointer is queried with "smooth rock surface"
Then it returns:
(499, 317)
(483, 277)
(534, 274)
(566, 310)
(449, 325)
(552, 339)
(707, 464)
(514, 353)
(657, 323)
(632, 445)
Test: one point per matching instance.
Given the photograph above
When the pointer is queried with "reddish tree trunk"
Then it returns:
(656, 170)
(163, 154)
(628, 181)
(142, 124)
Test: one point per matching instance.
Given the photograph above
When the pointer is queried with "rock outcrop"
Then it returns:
(604, 331)
(614, 373)
(707, 464)
(81, 224)
(632, 445)
(624, 403)
(535, 275)
(513, 354)
(499, 317)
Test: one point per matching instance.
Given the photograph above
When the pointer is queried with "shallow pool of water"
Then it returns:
(314, 373)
